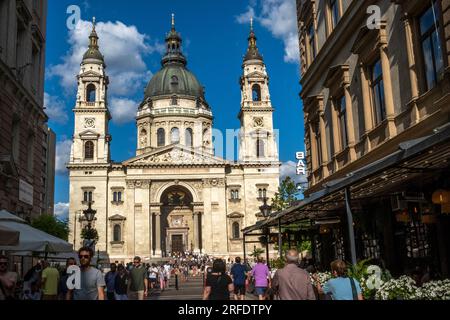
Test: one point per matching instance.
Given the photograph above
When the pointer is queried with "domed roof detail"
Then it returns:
(174, 78)
(93, 52)
(252, 50)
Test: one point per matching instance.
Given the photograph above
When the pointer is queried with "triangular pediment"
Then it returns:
(90, 73)
(175, 155)
(256, 74)
(89, 133)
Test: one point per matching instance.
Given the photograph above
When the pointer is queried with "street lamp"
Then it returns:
(89, 213)
(266, 210)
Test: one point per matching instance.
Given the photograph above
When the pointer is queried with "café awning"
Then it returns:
(429, 154)
(8, 237)
(31, 239)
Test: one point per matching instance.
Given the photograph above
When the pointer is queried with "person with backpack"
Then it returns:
(218, 284)
(341, 287)
(239, 275)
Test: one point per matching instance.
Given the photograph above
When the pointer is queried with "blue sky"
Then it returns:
(132, 38)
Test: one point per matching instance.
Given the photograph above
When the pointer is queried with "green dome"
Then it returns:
(174, 79)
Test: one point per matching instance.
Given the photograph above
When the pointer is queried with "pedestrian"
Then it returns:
(121, 283)
(218, 284)
(152, 276)
(239, 274)
(162, 278)
(177, 275)
(62, 288)
(8, 281)
(292, 282)
(261, 274)
(342, 287)
(167, 270)
(49, 282)
(92, 281)
(32, 278)
(138, 282)
(110, 279)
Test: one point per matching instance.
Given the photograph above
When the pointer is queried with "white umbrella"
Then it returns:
(8, 237)
(31, 239)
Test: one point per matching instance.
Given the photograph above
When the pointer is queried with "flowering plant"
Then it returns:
(403, 288)
(322, 278)
(434, 290)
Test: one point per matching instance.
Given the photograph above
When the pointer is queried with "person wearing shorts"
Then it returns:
(239, 273)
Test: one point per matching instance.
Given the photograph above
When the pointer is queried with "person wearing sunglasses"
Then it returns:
(92, 280)
(8, 280)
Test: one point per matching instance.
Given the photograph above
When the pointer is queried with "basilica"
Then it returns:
(175, 195)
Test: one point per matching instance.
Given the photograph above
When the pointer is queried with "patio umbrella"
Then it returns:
(8, 237)
(31, 239)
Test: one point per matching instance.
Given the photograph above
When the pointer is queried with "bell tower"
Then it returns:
(91, 140)
(257, 139)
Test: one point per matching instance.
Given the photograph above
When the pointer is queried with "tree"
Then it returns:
(52, 225)
(286, 195)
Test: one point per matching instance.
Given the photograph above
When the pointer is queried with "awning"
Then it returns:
(31, 239)
(8, 237)
(412, 159)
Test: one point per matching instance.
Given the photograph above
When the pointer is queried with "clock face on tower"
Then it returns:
(177, 221)
(258, 122)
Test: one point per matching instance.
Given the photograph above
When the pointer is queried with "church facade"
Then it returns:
(175, 195)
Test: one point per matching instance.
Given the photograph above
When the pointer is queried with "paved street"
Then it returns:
(190, 290)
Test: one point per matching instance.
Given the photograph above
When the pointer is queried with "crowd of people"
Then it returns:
(222, 279)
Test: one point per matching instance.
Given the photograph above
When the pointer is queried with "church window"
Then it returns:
(161, 136)
(117, 233)
(87, 197)
(234, 194)
(260, 148)
(90, 93)
(256, 92)
(174, 80)
(262, 193)
(174, 101)
(189, 137)
(89, 150)
(175, 135)
(236, 230)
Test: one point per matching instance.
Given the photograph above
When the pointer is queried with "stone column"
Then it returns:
(312, 140)
(158, 252)
(367, 106)
(388, 96)
(336, 140)
(412, 67)
(350, 124)
(323, 139)
(196, 233)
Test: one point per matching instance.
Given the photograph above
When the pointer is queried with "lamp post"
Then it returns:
(266, 210)
(89, 213)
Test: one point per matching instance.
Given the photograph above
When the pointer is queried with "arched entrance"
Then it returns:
(176, 220)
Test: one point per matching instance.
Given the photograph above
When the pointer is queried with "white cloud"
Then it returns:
(63, 149)
(244, 18)
(123, 110)
(62, 210)
(124, 48)
(279, 17)
(289, 169)
(55, 109)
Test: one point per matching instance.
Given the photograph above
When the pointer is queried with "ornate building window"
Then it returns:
(189, 141)
(89, 150)
(235, 194)
(311, 43)
(88, 195)
(175, 135)
(260, 148)
(334, 14)
(341, 105)
(90, 93)
(174, 81)
(174, 101)
(431, 45)
(117, 196)
(236, 230)
(161, 137)
(117, 234)
(256, 93)
(318, 140)
(143, 138)
(262, 193)
(377, 92)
